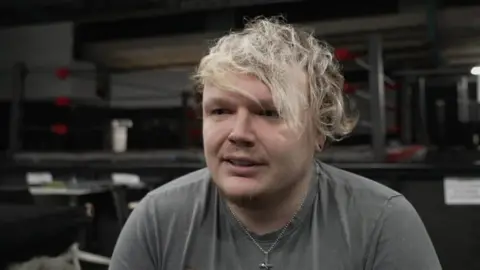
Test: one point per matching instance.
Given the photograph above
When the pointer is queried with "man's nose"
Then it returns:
(241, 133)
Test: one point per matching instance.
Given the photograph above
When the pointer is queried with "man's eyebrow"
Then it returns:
(266, 103)
(216, 100)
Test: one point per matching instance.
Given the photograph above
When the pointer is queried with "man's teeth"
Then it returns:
(241, 163)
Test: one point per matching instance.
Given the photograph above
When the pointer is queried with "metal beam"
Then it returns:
(377, 93)
(477, 105)
(18, 94)
(406, 111)
(422, 133)
(433, 72)
(104, 91)
(463, 100)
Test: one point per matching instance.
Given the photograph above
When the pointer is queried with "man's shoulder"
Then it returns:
(186, 192)
(164, 220)
(363, 189)
(190, 184)
(362, 201)
(187, 183)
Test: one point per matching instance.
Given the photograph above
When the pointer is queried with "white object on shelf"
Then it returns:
(126, 179)
(462, 191)
(39, 178)
(120, 134)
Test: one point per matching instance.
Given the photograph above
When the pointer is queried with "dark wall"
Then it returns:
(453, 132)
(4, 122)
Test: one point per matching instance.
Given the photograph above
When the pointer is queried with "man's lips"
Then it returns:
(242, 167)
(242, 161)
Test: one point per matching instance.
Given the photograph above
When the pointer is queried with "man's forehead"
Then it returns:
(228, 97)
(241, 88)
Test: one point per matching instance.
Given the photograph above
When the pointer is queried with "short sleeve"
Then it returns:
(138, 244)
(400, 240)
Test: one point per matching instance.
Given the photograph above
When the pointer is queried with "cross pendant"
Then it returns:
(265, 265)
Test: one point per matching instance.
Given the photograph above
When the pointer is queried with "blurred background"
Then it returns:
(96, 110)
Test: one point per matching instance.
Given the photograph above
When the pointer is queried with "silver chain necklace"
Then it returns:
(265, 265)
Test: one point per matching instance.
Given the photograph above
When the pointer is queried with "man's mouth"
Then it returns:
(242, 162)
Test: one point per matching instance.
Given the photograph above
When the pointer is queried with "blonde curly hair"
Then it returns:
(272, 50)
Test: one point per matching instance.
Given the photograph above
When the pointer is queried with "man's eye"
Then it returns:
(219, 111)
(270, 113)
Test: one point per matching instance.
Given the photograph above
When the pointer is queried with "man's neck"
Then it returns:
(276, 213)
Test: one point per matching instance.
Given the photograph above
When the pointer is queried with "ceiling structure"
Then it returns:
(404, 34)
(148, 34)
(411, 40)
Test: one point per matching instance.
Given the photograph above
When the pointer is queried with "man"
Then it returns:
(271, 97)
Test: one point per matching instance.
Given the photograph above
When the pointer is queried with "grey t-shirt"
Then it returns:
(347, 222)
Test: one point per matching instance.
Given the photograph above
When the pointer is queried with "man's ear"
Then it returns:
(320, 142)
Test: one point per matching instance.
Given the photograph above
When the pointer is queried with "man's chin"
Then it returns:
(240, 189)
(238, 195)
(247, 201)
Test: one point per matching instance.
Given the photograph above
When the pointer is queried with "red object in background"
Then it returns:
(405, 153)
(394, 86)
(348, 88)
(393, 129)
(62, 102)
(62, 73)
(191, 114)
(194, 132)
(59, 129)
(344, 54)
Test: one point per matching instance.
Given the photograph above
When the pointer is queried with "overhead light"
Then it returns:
(475, 70)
